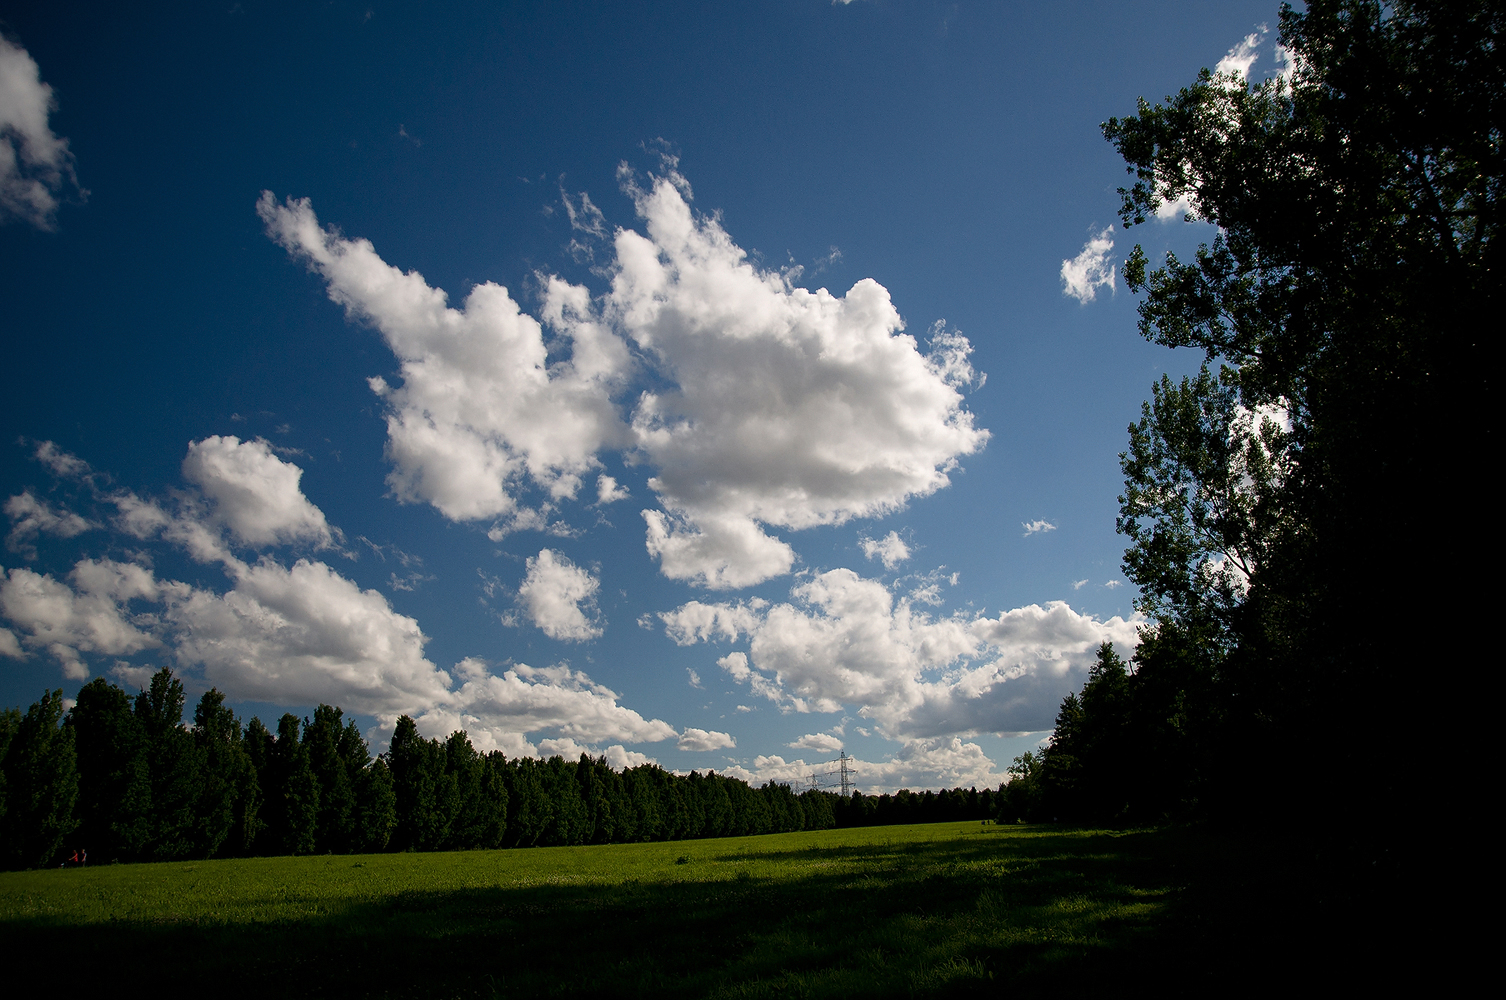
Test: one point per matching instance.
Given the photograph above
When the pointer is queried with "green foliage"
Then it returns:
(417, 770)
(1203, 502)
(481, 817)
(173, 768)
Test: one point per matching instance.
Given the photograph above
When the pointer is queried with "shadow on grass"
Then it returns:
(1061, 913)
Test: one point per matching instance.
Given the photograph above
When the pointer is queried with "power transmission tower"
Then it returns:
(846, 771)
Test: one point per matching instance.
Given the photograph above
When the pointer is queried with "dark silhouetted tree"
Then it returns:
(1276, 504)
(322, 738)
(376, 808)
(115, 791)
(229, 802)
(40, 783)
(292, 796)
(174, 766)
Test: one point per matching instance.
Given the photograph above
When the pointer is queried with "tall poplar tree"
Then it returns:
(322, 739)
(174, 765)
(1284, 502)
(293, 793)
(228, 811)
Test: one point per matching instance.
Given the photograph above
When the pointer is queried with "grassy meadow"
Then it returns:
(951, 909)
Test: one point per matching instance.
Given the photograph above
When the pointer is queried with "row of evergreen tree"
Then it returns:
(123, 778)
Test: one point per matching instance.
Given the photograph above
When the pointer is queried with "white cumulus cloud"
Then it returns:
(701, 740)
(497, 709)
(1034, 527)
(89, 613)
(890, 550)
(298, 634)
(35, 165)
(608, 490)
(256, 494)
(846, 641)
(771, 405)
(823, 742)
(557, 594)
(481, 411)
(793, 408)
(622, 758)
(305, 634)
(1091, 269)
(31, 517)
(918, 765)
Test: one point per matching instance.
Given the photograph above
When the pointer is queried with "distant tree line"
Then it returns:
(123, 778)
(904, 806)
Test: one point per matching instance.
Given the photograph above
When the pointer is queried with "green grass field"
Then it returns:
(937, 910)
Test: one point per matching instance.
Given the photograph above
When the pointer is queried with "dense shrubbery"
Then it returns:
(121, 777)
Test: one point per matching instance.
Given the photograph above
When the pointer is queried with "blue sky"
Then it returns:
(702, 383)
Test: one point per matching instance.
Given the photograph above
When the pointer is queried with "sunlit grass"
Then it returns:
(942, 909)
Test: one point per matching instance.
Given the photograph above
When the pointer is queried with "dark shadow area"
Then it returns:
(1169, 911)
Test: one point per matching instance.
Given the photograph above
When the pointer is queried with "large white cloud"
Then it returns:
(791, 407)
(255, 493)
(88, 614)
(306, 634)
(919, 764)
(557, 594)
(846, 641)
(497, 709)
(35, 165)
(824, 742)
(770, 404)
(481, 410)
